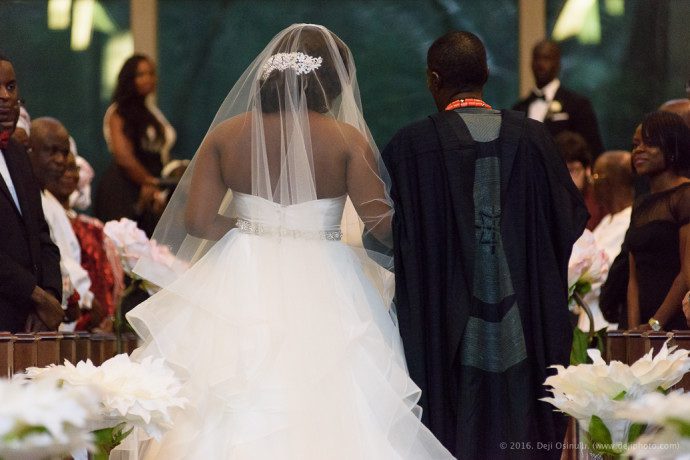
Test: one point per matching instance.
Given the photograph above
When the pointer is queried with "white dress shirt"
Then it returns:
(609, 235)
(540, 107)
(63, 236)
(610, 232)
(8, 179)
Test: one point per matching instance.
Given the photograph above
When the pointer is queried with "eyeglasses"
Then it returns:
(597, 177)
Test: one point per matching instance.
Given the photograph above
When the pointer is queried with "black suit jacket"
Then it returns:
(28, 257)
(577, 115)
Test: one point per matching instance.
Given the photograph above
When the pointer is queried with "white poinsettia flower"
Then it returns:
(606, 390)
(41, 420)
(138, 393)
(660, 445)
(664, 370)
(657, 408)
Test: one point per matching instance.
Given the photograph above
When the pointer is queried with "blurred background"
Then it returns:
(627, 56)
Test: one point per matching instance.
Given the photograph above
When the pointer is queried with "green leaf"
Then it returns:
(682, 426)
(578, 353)
(106, 439)
(583, 287)
(620, 396)
(22, 431)
(635, 431)
(599, 434)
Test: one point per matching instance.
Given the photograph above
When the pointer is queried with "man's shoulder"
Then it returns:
(420, 127)
(412, 140)
(521, 105)
(15, 153)
(566, 94)
(14, 147)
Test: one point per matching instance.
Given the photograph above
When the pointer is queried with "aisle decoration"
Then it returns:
(588, 267)
(133, 395)
(44, 420)
(594, 393)
(668, 419)
(132, 244)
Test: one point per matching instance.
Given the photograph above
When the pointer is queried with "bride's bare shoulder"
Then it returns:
(233, 125)
(347, 132)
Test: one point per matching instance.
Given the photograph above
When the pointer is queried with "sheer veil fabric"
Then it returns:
(289, 130)
(280, 327)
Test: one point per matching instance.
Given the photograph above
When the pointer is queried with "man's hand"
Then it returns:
(97, 314)
(48, 308)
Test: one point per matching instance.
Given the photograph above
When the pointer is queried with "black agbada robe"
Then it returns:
(481, 279)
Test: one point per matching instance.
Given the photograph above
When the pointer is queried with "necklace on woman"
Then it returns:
(467, 102)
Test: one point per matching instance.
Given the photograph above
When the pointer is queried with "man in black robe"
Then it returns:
(485, 218)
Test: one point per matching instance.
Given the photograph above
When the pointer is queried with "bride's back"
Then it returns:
(327, 148)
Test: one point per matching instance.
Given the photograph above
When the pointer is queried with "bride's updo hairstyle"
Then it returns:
(320, 85)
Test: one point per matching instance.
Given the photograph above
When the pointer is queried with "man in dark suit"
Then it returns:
(485, 218)
(30, 280)
(559, 108)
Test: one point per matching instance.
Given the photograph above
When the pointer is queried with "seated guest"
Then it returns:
(49, 143)
(98, 255)
(577, 155)
(613, 187)
(659, 226)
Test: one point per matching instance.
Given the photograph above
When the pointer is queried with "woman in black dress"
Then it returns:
(659, 235)
(139, 138)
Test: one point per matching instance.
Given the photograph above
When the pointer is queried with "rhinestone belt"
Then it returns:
(247, 226)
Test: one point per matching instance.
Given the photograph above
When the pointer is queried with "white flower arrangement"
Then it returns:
(42, 419)
(594, 393)
(139, 394)
(132, 244)
(587, 269)
(588, 264)
(669, 419)
(299, 62)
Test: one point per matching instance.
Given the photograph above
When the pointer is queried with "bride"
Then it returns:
(280, 330)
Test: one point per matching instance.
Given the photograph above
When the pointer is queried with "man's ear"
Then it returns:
(433, 79)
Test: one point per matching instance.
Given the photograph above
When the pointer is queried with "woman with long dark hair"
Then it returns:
(659, 234)
(139, 138)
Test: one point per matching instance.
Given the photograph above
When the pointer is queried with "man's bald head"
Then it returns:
(679, 106)
(613, 179)
(49, 144)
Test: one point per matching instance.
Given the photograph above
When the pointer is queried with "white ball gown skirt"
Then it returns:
(286, 348)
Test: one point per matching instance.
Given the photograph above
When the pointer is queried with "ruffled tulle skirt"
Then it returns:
(288, 351)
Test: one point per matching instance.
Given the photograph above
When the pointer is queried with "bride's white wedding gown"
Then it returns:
(287, 349)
